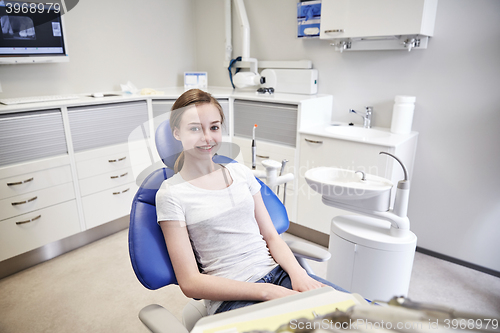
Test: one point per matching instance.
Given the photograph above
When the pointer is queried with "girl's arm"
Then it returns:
(280, 251)
(196, 285)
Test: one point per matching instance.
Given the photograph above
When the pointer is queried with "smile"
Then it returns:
(209, 147)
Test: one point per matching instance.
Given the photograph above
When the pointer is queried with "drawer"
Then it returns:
(34, 181)
(31, 201)
(110, 180)
(101, 152)
(33, 166)
(108, 205)
(109, 160)
(47, 225)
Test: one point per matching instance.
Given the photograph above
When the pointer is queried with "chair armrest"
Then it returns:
(308, 251)
(159, 320)
(193, 311)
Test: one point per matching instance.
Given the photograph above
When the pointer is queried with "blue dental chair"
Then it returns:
(148, 251)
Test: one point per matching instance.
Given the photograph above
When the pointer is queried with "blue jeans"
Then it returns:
(277, 276)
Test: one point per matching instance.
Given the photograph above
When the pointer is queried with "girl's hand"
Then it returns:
(304, 283)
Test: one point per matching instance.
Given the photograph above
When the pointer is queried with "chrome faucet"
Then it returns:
(367, 117)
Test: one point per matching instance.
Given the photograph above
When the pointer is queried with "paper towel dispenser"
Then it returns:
(378, 24)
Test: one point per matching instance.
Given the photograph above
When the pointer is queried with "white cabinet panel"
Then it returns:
(29, 231)
(109, 180)
(276, 122)
(376, 18)
(108, 205)
(106, 124)
(109, 159)
(34, 181)
(31, 201)
(27, 136)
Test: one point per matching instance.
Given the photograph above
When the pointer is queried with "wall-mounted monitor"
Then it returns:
(32, 32)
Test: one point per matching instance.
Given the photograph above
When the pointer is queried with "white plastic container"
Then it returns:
(402, 114)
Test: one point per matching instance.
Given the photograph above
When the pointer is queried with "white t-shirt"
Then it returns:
(224, 234)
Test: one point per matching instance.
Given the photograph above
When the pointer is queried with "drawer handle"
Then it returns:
(28, 221)
(118, 160)
(261, 156)
(333, 30)
(313, 141)
(21, 182)
(120, 176)
(24, 202)
(115, 193)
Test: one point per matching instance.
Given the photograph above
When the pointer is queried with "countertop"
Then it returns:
(386, 138)
(169, 93)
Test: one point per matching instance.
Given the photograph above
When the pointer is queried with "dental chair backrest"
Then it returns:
(147, 249)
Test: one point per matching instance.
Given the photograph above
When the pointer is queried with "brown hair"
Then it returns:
(190, 97)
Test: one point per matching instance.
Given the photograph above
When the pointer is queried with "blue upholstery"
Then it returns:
(148, 252)
(167, 146)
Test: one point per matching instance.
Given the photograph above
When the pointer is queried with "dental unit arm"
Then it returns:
(301, 250)
(273, 180)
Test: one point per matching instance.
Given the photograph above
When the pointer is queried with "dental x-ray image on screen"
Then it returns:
(17, 27)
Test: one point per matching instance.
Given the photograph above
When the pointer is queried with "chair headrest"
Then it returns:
(168, 147)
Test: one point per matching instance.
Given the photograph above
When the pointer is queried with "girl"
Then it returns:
(217, 229)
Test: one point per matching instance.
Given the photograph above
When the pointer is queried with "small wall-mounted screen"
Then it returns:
(31, 30)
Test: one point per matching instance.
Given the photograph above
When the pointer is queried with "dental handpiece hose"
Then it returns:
(254, 148)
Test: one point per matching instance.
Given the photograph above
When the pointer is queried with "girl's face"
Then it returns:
(200, 131)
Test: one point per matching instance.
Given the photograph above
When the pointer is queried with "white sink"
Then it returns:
(342, 187)
(355, 131)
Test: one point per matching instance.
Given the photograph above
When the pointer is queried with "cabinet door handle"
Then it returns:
(117, 160)
(21, 182)
(114, 177)
(28, 221)
(313, 141)
(23, 202)
(115, 193)
(334, 30)
(261, 156)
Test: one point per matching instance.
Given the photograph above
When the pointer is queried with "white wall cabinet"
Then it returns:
(376, 18)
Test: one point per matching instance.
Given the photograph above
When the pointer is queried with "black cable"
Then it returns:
(231, 64)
